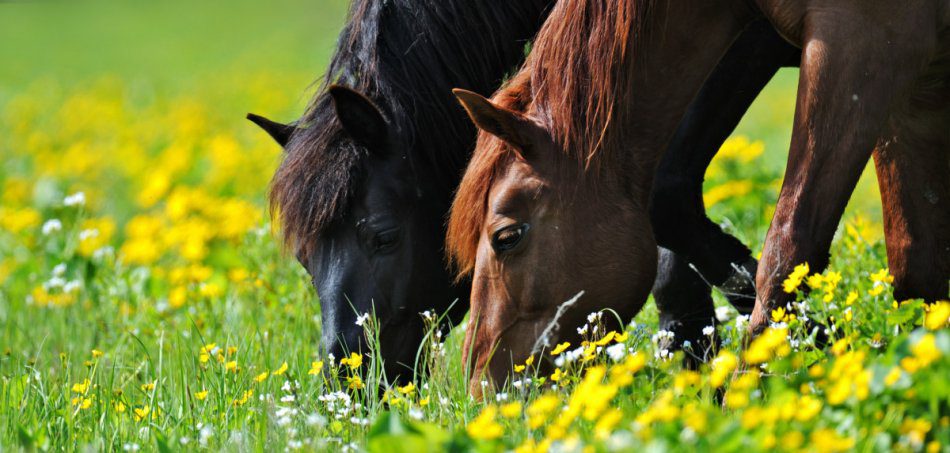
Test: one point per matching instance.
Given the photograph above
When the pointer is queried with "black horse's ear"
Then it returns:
(505, 124)
(280, 132)
(360, 117)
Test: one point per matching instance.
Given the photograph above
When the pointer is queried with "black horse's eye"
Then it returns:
(508, 237)
(385, 240)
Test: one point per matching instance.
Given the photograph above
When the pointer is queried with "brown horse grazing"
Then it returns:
(554, 200)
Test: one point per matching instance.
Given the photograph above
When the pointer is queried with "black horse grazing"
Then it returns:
(370, 170)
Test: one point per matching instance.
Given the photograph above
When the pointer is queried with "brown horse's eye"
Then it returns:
(508, 237)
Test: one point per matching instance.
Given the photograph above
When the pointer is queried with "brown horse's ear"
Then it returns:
(280, 132)
(496, 120)
(360, 117)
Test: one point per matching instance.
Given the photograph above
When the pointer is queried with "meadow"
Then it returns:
(146, 304)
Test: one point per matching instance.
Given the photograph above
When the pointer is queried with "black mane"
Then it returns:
(405, 55)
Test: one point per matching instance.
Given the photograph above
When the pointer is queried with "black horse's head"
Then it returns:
(367, 225)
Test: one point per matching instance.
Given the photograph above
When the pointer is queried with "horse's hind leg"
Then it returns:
(858, 60)
(913, 171)
(677, 211)
(685, 305)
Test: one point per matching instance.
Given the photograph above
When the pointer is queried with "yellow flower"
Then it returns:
(519, 368)
(852, 296)
(261, 377)
(882, 276)
(148, 386)
(794, 279)
(772, 343)
(200, 396)
(606, 423)
(892, 376)
(529, 361)
(722, 367)
(17, 220)
(539, 410)
(81, 387)
(557, 375)
(231, 366)
(807, 408)
(778, 314)
(244, 397)
(622, 374)
(606, 339)
(925, 350)
(281, 369)
(560, 348)
(96, 353)
(407, 389)
(685, 379)
(315, 367)
(827, 440)
(118, 406)
(484, 426)
(354, 383)
(140, 413)
(354, 361)
(814, 281)
(938, 315)
(726, 190)
(511, 410)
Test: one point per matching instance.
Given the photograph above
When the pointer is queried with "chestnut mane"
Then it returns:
(576, 83)
(405, 55)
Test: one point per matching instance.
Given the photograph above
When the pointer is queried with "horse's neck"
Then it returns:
(678, 47)
(428, 50)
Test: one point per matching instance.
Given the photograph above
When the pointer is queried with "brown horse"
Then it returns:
(554, 201)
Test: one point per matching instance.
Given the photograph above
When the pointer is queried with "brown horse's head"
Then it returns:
(536, 227)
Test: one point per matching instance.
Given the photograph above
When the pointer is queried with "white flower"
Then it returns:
(184, 440)
(76, 199)
(595, 316)
(204, 433)
(51, 226)
(616, 352)
(102, 252)
(294, 444)
(131, 447)
(741, 321)
(59, 270)
(687, 345)
(88, 234)
(709, 330)
(287, 399)
(316, 419)
(361, 319)
(723, 314)
(55, 282)
(72, 286)
(359, 421)
(583, 330)
(501, 397)
(415, 413)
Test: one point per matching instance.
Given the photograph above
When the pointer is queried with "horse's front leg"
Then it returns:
(686, 308)
(858, 59)
(677, 211)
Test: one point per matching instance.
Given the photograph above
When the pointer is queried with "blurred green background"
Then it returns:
(221, 49)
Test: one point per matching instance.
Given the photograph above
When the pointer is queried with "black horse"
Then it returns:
(371, 167)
